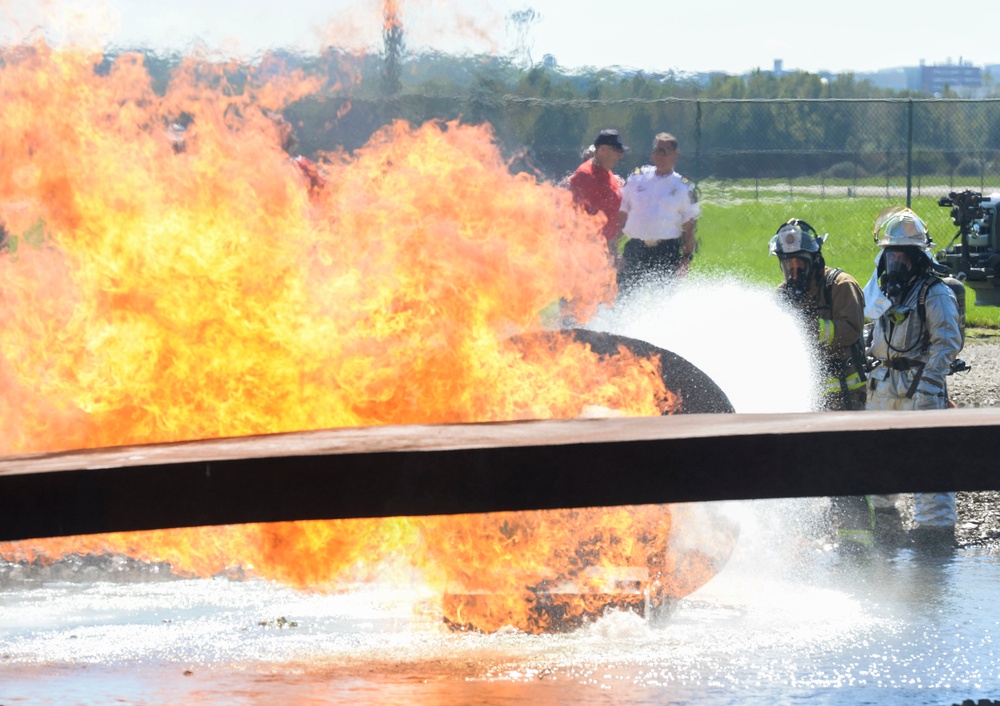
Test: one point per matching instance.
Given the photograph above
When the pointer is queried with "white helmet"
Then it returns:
(902, 238)
(898, 226)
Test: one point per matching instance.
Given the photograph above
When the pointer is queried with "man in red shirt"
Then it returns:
(314, 179)
(597, 189)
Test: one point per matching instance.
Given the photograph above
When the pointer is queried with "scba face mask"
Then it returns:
(796, 271)
(899, 270)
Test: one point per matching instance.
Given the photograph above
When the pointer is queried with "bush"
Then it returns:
(926, 162)
(844, 170)
(969, 167)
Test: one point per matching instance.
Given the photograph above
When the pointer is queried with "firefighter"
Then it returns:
(916, 337)
(831, 305)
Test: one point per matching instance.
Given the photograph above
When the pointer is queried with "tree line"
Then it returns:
(757, 125)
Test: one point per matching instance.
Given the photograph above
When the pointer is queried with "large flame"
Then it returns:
(156, 296)
(157, 290)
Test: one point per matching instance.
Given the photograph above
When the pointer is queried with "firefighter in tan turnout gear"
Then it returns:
(831, 306)
(831, 302)
(917, 335)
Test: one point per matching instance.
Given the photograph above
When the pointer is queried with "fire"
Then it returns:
(593, 557)
(155, 294)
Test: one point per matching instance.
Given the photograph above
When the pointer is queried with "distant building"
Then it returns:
(934, 79)
(991, 75)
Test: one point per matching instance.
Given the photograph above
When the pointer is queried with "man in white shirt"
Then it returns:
(658, 215)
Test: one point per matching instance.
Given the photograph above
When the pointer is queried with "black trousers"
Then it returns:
(641, 263)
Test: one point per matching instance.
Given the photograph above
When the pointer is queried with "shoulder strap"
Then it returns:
(928, 282)
(831, 277)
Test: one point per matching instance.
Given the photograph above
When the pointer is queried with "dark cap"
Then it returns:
(611, 138)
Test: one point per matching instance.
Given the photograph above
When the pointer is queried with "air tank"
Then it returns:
(958, 288)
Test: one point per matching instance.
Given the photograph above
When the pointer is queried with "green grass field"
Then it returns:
(734, 238)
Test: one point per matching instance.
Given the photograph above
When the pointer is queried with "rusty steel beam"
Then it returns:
(449, 469)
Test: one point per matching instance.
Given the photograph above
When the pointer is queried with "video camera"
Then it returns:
(973, 255)
(966, 207)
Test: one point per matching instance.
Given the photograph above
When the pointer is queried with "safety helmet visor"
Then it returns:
(898, 226)
(885, 214)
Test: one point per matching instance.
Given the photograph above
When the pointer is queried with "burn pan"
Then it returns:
(674, 557)
(698, 392)
(694, 544)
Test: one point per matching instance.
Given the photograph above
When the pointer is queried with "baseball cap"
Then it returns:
(611, 138)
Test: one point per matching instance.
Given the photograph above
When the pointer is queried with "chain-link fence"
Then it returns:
(882, 150)
(752, 153)
(761, 161)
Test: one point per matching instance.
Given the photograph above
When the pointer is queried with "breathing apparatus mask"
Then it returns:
(900, 268)
(797, 270)
(905, 244)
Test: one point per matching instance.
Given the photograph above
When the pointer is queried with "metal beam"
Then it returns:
(449, 469)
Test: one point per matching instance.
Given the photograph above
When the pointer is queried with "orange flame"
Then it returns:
(391, 14)
(155, 294)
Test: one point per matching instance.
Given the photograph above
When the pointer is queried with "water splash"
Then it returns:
(736, 332)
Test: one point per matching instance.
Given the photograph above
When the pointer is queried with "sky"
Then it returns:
(733, 36)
